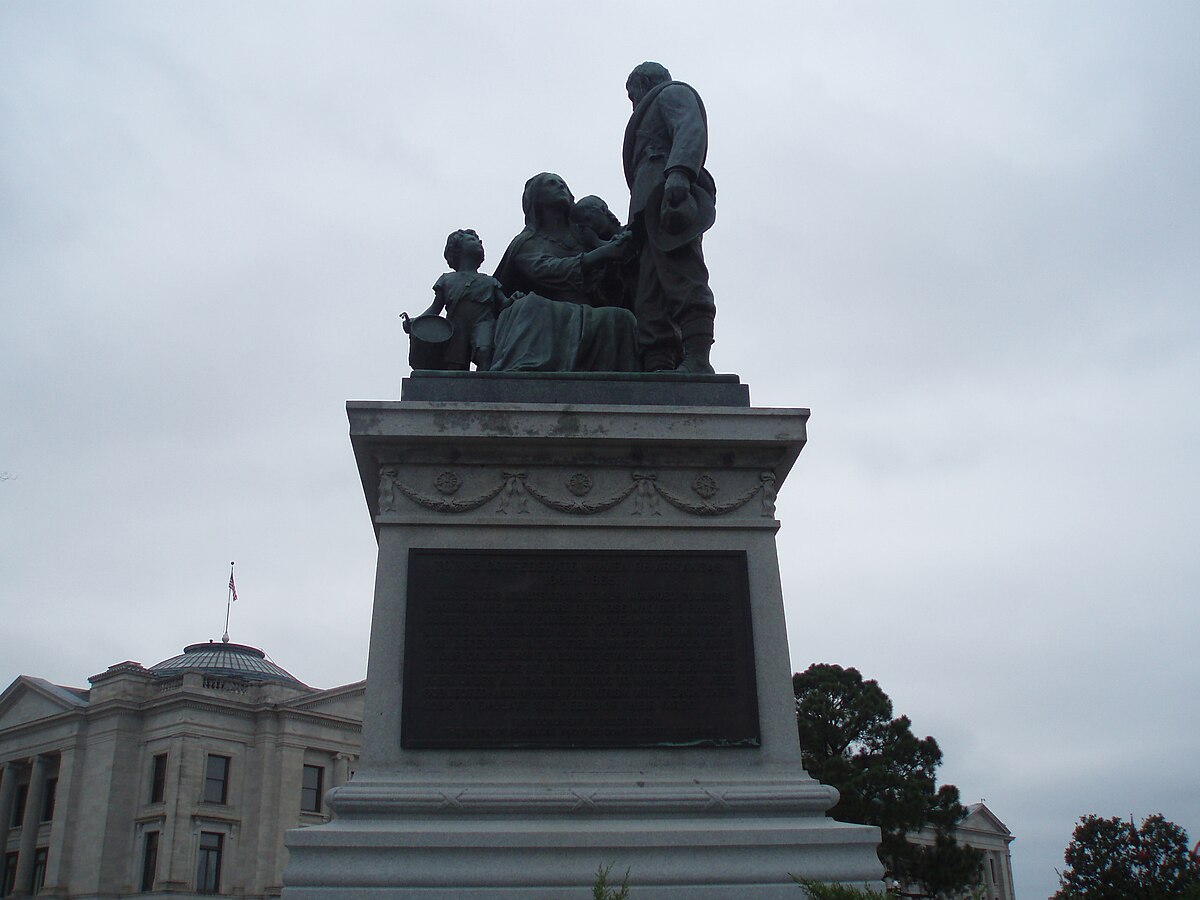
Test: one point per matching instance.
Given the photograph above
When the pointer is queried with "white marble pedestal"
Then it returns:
(558, 468)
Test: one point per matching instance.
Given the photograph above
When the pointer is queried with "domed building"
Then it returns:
(175, 780)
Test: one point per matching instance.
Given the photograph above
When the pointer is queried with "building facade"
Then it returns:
(175, 780)
(981, 829)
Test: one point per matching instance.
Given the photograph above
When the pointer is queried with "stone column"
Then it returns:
(184, 774)
(8, 790)
(29, 826)
(172, 822)
(260, 837)
(287, 799)
(341, 770)
(58, 847)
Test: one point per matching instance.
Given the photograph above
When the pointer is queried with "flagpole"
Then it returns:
(228, 603)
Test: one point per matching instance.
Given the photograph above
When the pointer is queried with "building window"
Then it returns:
(37, 878)
(216, 779)
(208, 864)
(158, 778)
(149, 860)
(311, 790)
(8, 880)
(48, 799)
(18, 810)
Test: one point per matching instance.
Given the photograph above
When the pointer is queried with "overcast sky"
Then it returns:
(966, 235)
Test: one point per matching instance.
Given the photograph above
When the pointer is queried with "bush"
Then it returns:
(602, 890)
(818, 890)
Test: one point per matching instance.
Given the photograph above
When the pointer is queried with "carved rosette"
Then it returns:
(579, 484)
(447, 483)
(705, 486)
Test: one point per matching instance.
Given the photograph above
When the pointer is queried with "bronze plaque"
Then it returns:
(574, 648)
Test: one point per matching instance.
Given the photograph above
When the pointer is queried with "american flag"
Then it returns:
(232, 587)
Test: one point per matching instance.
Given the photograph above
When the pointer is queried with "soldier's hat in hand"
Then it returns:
(670, 227)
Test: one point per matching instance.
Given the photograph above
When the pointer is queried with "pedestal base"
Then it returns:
(728, 840)
(539, 538)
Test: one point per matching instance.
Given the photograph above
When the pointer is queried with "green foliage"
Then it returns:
(818, 890)
(886, 775)
(602, 890)
(1111, 859)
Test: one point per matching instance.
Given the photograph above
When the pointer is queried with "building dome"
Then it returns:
(227, 660)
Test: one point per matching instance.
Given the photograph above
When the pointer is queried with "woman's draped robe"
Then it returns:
(554, 328)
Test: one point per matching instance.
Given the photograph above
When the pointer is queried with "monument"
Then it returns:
(578, 650)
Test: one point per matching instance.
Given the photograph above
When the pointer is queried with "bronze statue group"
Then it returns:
(577, 292)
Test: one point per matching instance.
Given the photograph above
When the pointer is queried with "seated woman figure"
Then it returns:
(560, 325)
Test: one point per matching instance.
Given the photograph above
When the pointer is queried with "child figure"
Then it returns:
(471, 300)
(593, 213)
(616, 280)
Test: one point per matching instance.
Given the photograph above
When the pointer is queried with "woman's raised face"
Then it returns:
(552, 190)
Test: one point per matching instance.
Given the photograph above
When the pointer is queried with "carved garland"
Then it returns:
(708, 509)
(579, 506)
(515, 490)
(389, 484)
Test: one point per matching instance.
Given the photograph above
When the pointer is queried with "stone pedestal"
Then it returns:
(582, 539)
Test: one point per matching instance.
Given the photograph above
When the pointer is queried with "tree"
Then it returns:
(1111, 859)
(886, 775)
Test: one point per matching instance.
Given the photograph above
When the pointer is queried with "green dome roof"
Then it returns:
(230, 660)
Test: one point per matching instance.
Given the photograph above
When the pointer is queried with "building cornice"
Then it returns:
(73, 719)
(342, 722)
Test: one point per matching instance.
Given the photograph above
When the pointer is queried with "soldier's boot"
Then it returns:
(695, 355)
(658, 361)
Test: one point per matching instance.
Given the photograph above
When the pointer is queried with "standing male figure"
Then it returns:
(672, 202)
